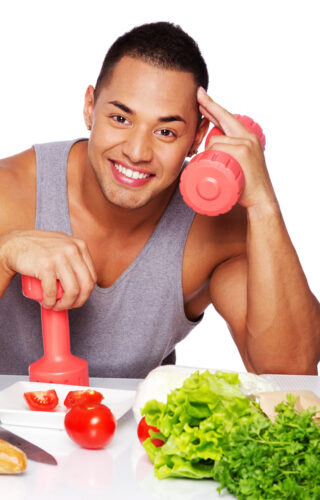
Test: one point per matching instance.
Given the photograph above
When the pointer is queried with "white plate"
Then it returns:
(15, 411)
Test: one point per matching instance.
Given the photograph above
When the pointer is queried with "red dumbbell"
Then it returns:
(213, 181)
(57, 365)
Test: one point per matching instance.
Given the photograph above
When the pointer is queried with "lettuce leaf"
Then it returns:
(194, 424)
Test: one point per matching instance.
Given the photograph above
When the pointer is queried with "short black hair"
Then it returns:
(162, 44)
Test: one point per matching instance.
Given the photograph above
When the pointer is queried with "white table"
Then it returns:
(121, 471)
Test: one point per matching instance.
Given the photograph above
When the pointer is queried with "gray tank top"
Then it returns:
(124, 330)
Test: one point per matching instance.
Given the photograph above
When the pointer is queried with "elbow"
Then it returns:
(282, 361)
(293, 366)
(311, 369)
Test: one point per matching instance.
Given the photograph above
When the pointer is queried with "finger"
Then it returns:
(208, 115)
(213, 111)
(224, 139)
(84, 279)
(69, 282)
(77, 282)
(49, 288)
(239, 152)
(87, 259)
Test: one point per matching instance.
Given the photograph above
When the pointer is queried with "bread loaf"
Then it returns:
(12, 459)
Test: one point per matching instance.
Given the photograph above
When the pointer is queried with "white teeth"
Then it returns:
(134, 174)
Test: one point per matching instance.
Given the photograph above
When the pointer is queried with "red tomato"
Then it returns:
(79, 397)
(91, 425)
(143, 432)
(42, 400)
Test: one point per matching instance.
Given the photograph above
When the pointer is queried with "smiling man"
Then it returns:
(137, 265)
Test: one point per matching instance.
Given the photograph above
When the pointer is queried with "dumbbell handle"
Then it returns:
(55, 324)
(58, 364)
(56, 334)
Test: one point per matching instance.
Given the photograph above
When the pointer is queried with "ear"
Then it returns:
(200, 134)
(88, 106)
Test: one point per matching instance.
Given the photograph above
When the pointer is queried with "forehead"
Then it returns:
(140, 85)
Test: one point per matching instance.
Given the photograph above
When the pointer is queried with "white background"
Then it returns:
(263, 60)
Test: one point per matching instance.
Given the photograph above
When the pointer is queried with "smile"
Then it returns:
(131, 174)
(129, 177)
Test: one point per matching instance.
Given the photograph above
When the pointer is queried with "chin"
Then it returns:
(126, 201)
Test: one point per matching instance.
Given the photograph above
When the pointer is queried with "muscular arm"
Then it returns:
(283, 316)
(263, 295)
(17, 203)
(46, 255)
(265, 299)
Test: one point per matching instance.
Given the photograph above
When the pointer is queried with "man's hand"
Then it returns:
(243, 146)
(49, 256)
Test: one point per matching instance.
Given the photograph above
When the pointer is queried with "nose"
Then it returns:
(138, 147)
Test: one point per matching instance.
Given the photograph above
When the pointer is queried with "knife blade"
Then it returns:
(32, 451)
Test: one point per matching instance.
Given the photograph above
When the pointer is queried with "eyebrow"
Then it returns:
(163, 119)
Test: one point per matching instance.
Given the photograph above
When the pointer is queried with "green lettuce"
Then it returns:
(194, 423)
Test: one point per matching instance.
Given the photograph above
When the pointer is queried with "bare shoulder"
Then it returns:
(17, 191)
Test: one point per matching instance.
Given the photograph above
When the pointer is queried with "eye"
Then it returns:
(166, 133)
(119, 119)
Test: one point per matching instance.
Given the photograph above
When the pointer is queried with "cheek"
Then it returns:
(97, 146)
(100, 133)
(102, 129)
(172, 162)
(178, 154)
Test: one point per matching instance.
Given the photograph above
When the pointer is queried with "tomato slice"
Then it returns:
(74, 398)
(143, 433)
(42, 400)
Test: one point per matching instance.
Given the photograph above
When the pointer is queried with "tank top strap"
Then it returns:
(52, 213)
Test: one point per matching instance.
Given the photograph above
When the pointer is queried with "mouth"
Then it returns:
(130, 176)
(131, 173)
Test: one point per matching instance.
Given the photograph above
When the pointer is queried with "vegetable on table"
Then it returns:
(42, 400)
(145, 431)
(91, 425)
(212, 430)
(82, 396)
(163, 379)
(273, 460)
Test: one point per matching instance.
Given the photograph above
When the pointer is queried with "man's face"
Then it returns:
(143, 125)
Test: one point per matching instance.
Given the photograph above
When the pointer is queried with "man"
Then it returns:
(137, 265)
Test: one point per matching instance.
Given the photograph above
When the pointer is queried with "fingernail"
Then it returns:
(202, 91)
(46, 307)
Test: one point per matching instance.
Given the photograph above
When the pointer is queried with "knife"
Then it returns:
(32, 451)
